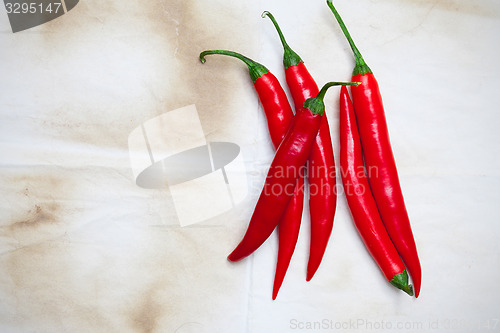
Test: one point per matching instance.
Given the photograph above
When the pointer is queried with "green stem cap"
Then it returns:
(316, 104)
(256, 70)
(361, 66)
(401, 281)
(290, 58)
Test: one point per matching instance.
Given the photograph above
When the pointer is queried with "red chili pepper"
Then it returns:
(288, 233)
(292, 154)
(361, 202)
(321, 166)
(379, 160)
(279, 115)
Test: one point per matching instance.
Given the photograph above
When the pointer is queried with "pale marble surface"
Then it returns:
(82, 249)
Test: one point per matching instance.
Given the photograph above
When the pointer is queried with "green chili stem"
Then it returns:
(290, 58)
(316, 105)
(256, 70)
(361, 66)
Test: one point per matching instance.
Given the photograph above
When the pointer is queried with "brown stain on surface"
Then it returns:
(140, 60)
(44, 290)
(65, 276)
(35, 198)
(38, 216)
(147, 311)
(216, 86)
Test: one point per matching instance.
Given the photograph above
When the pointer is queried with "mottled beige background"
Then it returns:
(83, 249)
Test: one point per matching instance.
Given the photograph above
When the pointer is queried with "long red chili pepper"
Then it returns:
(379, 160)
(292, 154)
(279, 115)
(361, 202)
(321, 166)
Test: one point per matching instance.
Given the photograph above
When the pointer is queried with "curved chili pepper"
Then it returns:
(292, 154)
(361, 203)
(379, 159)
(321, 164)
(279, 115)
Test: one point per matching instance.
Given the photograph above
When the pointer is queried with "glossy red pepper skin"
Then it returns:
(321, 164)
(379, 160)
(321, 171)
(276, 107)
(382, 171)
(279, 116)
(300, 83)
(292, 154)
(361, 203)
(290, 158)
(288, 234)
